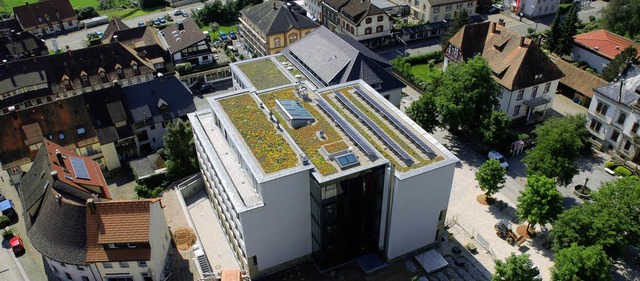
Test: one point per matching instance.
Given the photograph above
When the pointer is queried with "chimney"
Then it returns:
(60, 158)
(521, 41)
(493, 27)
(501, 22)
(115, 38)
(180, 26)
(91, 205)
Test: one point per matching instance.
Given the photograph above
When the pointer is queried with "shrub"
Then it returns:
(592, 18)
(214, 26)
(609, 165)
(530, 30)
(145, 192)
(622, 171)
(564, 8)
(4, 221)
(8, 233)
(184, 67)
(523, 137)
(86, 12)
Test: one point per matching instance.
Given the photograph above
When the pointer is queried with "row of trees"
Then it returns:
(219, 12)
(560, 34)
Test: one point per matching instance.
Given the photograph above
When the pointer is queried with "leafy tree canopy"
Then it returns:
(581, 263)
(180, 150)
(514, 268)
(491, 177)
(559, 142)
(540, 202)
(623, 195)
(425, 112)
(496, 131)
(458, 22)
(614, 69)
(622, 17)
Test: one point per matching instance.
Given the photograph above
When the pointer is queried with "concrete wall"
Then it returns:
(110, 156)
(76, 272)
(594, 61)
(415, 211)
(159, 239)
(395, 96)
(279, 231)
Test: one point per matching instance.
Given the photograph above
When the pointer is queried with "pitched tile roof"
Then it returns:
(106, 108)
(341, 59)
(275, 17)
(514, 60)
(40, 14)
(115, 24)
(118, 222)
(70, 115)
(578, 79)
(604, 43)
(355, 10)
(178, 39)
(148, 100)
(17, 45)
(135, 37)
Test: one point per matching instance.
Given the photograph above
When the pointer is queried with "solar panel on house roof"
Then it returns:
(368, 150)
(404, 156)
(79, 168)
(294, 109)
(413, 137)
(346, 160)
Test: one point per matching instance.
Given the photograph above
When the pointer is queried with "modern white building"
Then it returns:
(359, 178)
(614, 117)
(528, 78)
(532, 8)
(432, 11)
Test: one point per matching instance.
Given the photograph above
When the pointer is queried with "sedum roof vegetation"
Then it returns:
(270, 148)
(419, 158)
(306, 137)
(263, 74)
(336, 146)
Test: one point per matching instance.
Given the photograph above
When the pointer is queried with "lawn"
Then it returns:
(117, 12)
(264, 74)
(216, 35)
(423, 71)
(129, 13)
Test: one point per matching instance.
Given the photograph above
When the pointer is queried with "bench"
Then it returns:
(609, 171)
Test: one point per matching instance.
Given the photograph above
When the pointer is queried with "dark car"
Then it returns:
(233, 35)
(206, 88)
(494, 10)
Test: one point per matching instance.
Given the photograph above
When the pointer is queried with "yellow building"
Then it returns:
(267, 28)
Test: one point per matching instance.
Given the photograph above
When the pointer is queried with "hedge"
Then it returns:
(622, 171)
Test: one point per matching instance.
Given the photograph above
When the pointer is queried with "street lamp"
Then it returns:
(535, 30)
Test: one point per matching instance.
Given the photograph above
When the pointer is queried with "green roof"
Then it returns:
(263, 74)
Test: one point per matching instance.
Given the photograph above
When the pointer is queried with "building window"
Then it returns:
(516, 110)
(276, 42)
(615, 135)
(142, 264)
(131, 245)
(621, 118)
(534, 92)
(448, 8)
(368, 20)
(546, 87)
(124, 264)
(520, 95)
(602, 108)
(68, 275)
(367, 30)
(436, 10)
(380, 18)
(470, 4)
(627, 145)
(634, 128)
(112, 246)
(107, 265)
(595, 126)
(379, 28)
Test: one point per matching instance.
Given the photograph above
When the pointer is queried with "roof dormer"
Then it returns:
(66, 82)
(103, 75)
(84, 77)
(119, 71)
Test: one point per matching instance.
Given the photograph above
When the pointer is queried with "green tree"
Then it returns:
(559, 142)
(425, 112)
(623, 196)
(458, 22)
(467, 95)
(614, 69)
(581, 263)
(491, 177)
(589, 224)
(179, 150)
(555, 32)
(4, 221)
(496, 131)
(569, 29)
(540, 202)
(515, 268)
(622, 17)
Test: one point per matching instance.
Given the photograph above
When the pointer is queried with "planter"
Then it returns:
(583, 192)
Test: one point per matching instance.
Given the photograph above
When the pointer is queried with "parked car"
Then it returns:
(16, 245)
(141, 24)
(496, 155)
(100, 33)
(223, 36)
(178, 12)
(7, 209)
(498, 6)
(206, 88)
(233, 35)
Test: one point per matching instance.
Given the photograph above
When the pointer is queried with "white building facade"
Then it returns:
(431, 11)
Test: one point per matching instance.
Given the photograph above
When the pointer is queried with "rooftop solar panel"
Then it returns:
(413, 137)
(404, 156)
(359, 141)
(347, 160)
(294, 109)
(79, 168)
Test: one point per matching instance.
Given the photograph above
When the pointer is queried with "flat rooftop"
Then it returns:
(264, 73)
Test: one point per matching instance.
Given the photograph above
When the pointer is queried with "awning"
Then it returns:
(536, 102)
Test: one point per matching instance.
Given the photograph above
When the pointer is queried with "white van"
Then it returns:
(496, 155)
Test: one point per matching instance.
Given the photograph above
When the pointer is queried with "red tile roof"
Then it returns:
(119, 222)
(95, 184)
(604, 42)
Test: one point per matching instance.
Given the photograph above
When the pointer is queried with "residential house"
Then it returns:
(577, 84)
(396, 8)
(115, 24)
(362, 20)
(434, 11)
(82, 237)
(528, 78)
(15, 45)
(614, 117)
(597, 48)
(65, 121)
(154, 105)
(391, 198)
(46, 17)
(532, 9)
(30, 82)
(269, 27)
(326, 59)
(186, 43)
